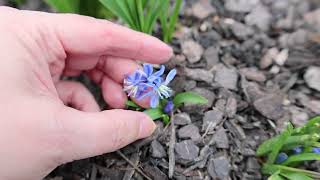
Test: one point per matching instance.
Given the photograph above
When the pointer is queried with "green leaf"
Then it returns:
(290, 143)
(301, 158)
(188, 97)
(276, 176)
(312, 126)
(296, 176)
(166, 119)
(173, 20)
(65, 6)
(279, 143)
(132, 104)
(120, 8)
(154, 114)
(272, 168)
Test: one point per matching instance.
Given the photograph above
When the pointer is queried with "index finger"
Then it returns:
(82, 35)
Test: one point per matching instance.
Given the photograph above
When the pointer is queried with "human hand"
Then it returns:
(38, 132)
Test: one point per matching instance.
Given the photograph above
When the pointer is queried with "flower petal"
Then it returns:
(160, 72)
(170, 76)
(154, 101)
(148, 69)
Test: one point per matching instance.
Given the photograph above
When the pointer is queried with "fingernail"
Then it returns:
(147, 126)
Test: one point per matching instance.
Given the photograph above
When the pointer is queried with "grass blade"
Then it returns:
(173, 20)
(119, 8)
(279, 143)
(295, 176)
(302, 158)
(70, 6)
(140, 14)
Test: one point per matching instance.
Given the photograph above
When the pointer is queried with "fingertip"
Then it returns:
(113, 93)
(155, 51)
(147, 126)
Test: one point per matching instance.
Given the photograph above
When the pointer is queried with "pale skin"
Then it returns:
(38, 132)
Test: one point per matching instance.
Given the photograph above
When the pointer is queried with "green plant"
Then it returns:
(154, 85)
(179, 99)
(142, 15)
(84, 7)
(290, 149)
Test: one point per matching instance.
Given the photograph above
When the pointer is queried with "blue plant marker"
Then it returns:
(281, 158)
(168, 108)
(297, 150)
(316, 150)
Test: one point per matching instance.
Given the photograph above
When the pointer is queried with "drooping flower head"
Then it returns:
(281, 158)
(146, 83)
(297, 150)
(316, 150)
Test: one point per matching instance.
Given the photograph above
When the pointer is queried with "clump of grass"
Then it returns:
(286, 152)
(142, 15)
(91, 8)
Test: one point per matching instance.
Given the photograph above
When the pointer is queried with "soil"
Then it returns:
(256, 61)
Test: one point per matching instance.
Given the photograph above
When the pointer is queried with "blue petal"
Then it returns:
(170, 76)
(281, 158)
(297, 150)
(148, 69)
(160, 72)
(154, 101)
(316, 150)
(168, 107)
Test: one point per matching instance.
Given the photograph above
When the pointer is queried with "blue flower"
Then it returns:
(168, 108)
(133, 84)
(160, 90)
(316, 150)
(281, 158)
(147, 83)
(297, 150)
(153, 78)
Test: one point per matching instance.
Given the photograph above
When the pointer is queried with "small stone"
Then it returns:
(314, 106)
(202, 9)
(231, 106)
(253, 74)
(192, 50)
(275, 69)
(296, 38)
(219, 168)
(241, 31)
(189, 131)
(227, 78)
(211, 119)
(199, 75)
(186, 150)
(253, 165)
(313, 18)
(241, 6)
(157, 150)
(189, 85)
(298, 117)
(268, 58)
(221, 139)
(270, 106)
(259, 17)
(312, 77)
(154, 172)
(182, 119)
(282, 57)
(211, 55)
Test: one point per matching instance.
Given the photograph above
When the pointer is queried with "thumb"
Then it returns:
(87, 134)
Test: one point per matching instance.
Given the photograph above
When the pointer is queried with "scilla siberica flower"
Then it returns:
(316, 150)
(142, 84)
